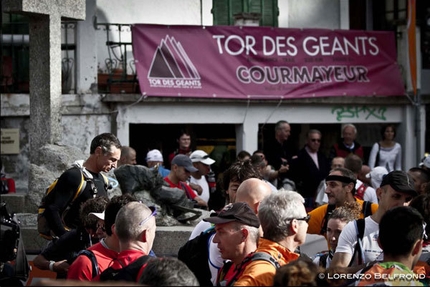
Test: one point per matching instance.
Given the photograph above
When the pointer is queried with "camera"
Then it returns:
(9, 235)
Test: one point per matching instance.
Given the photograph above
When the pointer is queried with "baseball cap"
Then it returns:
(400, 181)
(154, 155)
(99, 215)
(239, 211)
(201, 156)
(425, 162)
(376, 175)
(185, 161)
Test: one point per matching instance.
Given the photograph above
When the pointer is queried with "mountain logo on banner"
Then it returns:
(172, 68)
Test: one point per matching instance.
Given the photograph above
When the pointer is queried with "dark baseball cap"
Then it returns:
(400, 181)
(185, 161)
(239, 212)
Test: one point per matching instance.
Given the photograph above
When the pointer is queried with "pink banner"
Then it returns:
(264, 62)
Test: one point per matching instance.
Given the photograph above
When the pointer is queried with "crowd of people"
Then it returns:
(375, 217)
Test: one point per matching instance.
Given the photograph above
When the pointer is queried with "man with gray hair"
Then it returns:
(250, 191)
(284, 221)
(236, 236)
(135, 229)
(347, 144)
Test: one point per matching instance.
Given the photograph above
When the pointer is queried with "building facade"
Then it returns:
(101, 94)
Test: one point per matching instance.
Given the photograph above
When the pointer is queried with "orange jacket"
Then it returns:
(260, 272)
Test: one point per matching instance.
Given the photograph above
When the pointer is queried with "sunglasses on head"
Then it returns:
(154, 213)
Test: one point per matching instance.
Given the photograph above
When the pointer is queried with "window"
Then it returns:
(224, 10)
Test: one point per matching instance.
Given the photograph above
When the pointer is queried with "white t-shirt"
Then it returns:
(215, 261)
(205, 186)
(390, 158)
(348, 239)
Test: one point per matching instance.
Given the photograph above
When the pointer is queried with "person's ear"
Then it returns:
(112, 229)
(256, 206)
(143, 236)
(294, 226)
(379, 193)
(416, 250)
(99, 151)
(245, 234)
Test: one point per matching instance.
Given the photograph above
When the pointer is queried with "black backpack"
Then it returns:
(126, 273)
(195, 254)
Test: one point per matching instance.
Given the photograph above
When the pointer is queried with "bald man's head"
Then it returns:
(253, 191)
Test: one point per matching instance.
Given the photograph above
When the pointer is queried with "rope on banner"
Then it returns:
(277, 106)
(143, 96)
(247, 108)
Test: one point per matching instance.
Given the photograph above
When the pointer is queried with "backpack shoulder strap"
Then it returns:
(81, 187)
(323, 260)
(377, 155)
(367, 208)
(223, 272)
(255, 256)
(329, 211)
(106, 181)
(266, 257)
(360, 226)
(133, 270)
(93, 259)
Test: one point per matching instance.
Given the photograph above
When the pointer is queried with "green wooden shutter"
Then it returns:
(223, 11)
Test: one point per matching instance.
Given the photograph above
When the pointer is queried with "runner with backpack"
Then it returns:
(135, 228)
(237, 233)
(357, 245)
(401, 237)
(340, 189)
(284, 220)
(200, 253)
(59, 210)
(94, 260)
(336, 222)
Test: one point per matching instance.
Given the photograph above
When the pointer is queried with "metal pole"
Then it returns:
(417, 104)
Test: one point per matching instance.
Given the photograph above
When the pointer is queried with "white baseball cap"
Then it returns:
(99, 215)
(154, 155)
(201, 156)
(425, 162)
(376, 175)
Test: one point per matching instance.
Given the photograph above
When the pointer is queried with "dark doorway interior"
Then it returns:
(218, 140)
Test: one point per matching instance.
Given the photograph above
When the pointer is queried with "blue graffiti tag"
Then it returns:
(355, 112)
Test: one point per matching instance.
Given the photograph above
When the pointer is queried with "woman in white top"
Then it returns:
(387, 152)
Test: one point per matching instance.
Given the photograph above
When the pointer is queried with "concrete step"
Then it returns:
(15, 202)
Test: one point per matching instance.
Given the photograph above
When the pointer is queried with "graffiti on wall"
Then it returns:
(359, 112)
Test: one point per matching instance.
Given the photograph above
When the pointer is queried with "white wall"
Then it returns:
(165, 12)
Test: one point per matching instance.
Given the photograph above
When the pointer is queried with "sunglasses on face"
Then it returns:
(102, 227)
(306, 218)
